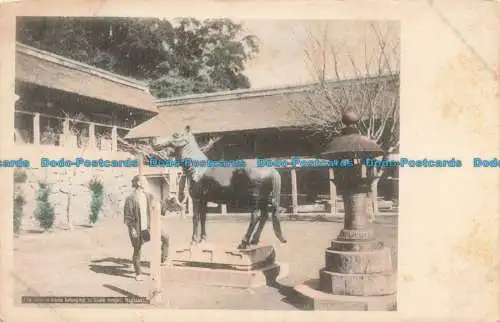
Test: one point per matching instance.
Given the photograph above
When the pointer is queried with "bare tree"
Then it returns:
(368, 85)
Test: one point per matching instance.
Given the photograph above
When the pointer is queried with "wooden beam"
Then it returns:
(190, 206)
(66, 131)
(140, 161)
(295, 202)
(173, 183)
(155, 290)
(333, 192)
(74, 120)
(92, 142)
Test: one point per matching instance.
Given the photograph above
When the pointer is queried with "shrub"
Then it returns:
(97, 188)
(170, 205)
(19, 202)
(20, 175)
(44, 211)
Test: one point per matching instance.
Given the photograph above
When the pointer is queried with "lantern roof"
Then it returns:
(351, 144)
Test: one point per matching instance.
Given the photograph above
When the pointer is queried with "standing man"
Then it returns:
(137, 215)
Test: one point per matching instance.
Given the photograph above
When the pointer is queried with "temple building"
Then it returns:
(67, 109)
(253, 124)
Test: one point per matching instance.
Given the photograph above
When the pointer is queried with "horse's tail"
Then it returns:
(276, 198)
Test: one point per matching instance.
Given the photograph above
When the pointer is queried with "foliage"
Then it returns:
(97, 188)
(19, 202)
(373, 95)
(170, 205)
(176, 57)
(20, 175)
(44, 211)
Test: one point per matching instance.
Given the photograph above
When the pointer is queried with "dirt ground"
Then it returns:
(95, 261)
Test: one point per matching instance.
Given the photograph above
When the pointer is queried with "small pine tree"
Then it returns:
(97, 188)
(20, 176)
(19, 202)
(44, 211)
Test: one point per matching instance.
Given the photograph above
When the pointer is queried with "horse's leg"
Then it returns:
(262, 222)
(203, 220)
(275, 197)
(277, 225)
(196, 219)
(251, 226)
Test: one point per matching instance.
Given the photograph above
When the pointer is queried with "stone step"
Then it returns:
(220, 256)
(227, 277)
(311, 298)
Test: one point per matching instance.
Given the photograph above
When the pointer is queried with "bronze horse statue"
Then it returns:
(254, 187)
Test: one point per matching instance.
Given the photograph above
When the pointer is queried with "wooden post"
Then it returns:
(294, 192)
(190, 206)
(92, 143)
(155, 289)
(66, 132)
(114, 139)
(173, 182)
(36, 128)
(140, 163)
(333, 193)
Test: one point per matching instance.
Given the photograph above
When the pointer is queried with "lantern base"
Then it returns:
(358, 262)
(311, 298)
(377, 284)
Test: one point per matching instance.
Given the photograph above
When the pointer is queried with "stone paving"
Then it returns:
(96, 261)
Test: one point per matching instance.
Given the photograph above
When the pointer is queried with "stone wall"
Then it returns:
(117, 185)
(116, 181)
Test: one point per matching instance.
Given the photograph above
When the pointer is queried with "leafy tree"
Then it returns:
(176, 58)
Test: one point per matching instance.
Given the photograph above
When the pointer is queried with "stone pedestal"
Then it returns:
(223, 266)
(358, 273)
(311, 298)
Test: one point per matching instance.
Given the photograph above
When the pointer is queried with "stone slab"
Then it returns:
(356, 235)
(356, 246)
(357, 284)
(220, 256)
(309, 297)
(227, 277)
(369, 262)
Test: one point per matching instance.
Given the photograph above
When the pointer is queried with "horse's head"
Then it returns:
(175, 143)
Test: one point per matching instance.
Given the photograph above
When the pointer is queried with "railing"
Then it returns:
(43, 129)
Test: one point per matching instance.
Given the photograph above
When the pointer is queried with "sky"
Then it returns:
(283, 44)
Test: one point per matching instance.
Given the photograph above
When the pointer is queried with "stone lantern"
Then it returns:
(358, 272)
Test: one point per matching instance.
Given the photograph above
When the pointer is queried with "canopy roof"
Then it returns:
(237, 110)
(53, 71)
